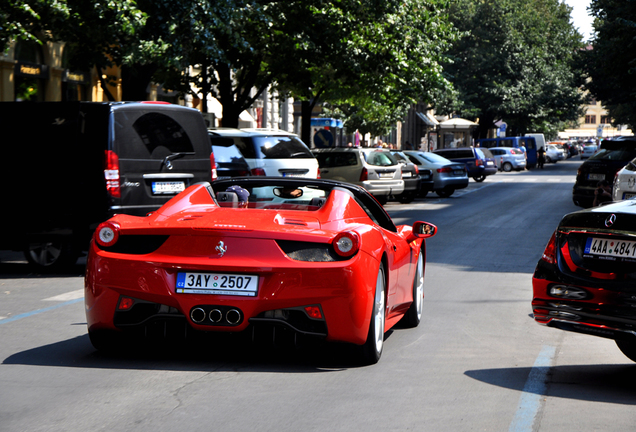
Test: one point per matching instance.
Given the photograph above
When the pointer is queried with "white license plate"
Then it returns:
(458, 172)
(286, 174)
(167, 187)
(406, 175)
(217, 283)
(386, 175)
(628, 195)
(596, 176)
(490, 163)
(610, 247)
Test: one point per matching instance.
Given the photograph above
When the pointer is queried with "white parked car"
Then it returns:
(274, 153)
(625, 182)
(588, 151)
(553, 154)
(509, 158)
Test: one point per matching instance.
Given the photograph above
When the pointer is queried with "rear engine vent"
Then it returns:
(309, 252)
(136, 244)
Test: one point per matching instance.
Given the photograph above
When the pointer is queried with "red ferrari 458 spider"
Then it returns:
(317, 257)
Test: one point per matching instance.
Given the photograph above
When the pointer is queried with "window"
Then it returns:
(606, 119)
(590, 119)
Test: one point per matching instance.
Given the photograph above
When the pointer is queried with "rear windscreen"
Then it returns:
(225, 151)
(280, 147)
(617, 154)
(146, 134)
(380, 158)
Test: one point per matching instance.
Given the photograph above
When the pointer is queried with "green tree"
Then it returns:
(22, 20)
(610, 61)
(516, 63)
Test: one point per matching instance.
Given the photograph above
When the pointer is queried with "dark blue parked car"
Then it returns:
(480, 162)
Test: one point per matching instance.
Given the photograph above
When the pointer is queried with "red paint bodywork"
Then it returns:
(195, 224)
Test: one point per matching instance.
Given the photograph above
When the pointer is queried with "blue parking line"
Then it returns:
(35, 312)
(533, 391)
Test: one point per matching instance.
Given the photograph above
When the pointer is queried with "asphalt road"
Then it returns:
(477, 362)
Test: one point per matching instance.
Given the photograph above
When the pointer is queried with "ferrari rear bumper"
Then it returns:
(327, 299)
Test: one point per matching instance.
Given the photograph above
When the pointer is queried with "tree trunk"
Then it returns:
(135, 80)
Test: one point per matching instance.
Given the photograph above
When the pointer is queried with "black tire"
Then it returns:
(413, 316)
(480, 178)
(507, 167)
(51, 256)
(627, 347)
(371, 350)
(406, 197)
(423, 193)
(104, 340)
(548, 159)
(445, 193)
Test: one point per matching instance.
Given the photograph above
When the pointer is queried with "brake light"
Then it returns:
(156, 102)
(444, 170)
(364, 175)
(417, 170)
(549, 254)
(318, 173)
(479, 162)
(213, 166)
(107, 234)
(257, 171)
(346, 243)
(111, 174)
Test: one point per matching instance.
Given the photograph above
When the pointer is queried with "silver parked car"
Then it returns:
(625, 182)
(447, 175)
(376, 170)
(509, 158)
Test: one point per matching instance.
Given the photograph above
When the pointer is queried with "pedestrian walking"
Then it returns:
(541, 157)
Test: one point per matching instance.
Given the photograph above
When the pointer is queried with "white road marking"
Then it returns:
(73, 295)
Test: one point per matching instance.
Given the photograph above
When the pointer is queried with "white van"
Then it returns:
(274, 153)
(539, 139)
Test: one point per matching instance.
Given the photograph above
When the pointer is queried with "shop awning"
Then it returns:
(427, 119)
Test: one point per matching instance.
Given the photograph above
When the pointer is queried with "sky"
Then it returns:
(580, 18)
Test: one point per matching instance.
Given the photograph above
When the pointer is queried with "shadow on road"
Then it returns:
(207, 353)
(593, 383)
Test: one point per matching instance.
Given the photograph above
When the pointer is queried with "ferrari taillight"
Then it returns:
(111, 174)
(107, 234)
(549, 254)
(364, 175)
(346, 243)
(213, 166)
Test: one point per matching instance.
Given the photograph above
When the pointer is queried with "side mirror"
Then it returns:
(422, 230)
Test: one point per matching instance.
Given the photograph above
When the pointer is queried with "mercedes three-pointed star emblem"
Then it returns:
(610, 220)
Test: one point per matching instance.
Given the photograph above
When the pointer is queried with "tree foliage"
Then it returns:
(610, 61)
(516, 63)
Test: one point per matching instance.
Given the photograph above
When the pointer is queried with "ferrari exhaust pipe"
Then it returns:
(197, 315)
(216, 315)
(233, 316)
